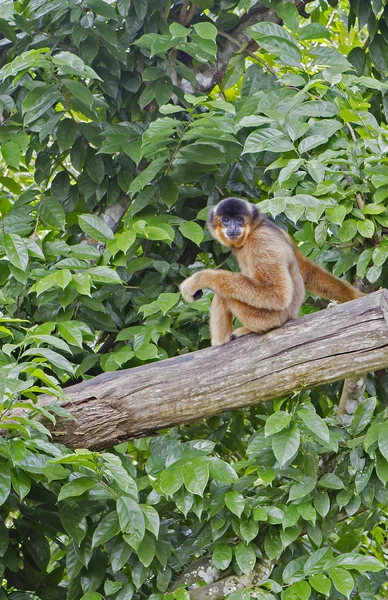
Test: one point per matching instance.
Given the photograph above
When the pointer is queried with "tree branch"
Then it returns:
(343, 342)
(207, 76)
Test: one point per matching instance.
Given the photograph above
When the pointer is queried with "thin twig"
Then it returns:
(183, 12)
(246, 51)
(352, 133)
(190, 14)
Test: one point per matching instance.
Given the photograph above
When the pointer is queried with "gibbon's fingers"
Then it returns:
(190, 289)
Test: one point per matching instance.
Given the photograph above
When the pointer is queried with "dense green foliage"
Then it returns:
(112, 155)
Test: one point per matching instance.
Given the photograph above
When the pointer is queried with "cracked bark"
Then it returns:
(345, 342)
(207, 76)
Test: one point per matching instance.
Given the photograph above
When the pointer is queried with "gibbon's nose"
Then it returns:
(233, 232)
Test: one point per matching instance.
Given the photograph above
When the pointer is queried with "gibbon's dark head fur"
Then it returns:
(232, 220)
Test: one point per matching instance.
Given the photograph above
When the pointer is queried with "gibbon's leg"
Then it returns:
(239, 332)
(257, 320)
(221, 321)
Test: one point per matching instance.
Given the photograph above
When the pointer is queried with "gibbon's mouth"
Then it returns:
(234, 234)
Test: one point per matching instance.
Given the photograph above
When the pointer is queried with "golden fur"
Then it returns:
(271, 286)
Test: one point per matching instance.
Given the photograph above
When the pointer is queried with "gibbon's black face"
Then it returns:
(231, 220)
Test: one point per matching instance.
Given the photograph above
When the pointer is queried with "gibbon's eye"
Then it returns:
(225, 220)
(240, 221)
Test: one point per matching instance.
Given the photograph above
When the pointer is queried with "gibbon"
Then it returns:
(270, 288)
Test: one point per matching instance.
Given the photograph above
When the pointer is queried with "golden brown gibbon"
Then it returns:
(274, 273)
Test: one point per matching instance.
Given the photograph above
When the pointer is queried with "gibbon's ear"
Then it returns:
(255, 213)
(210, 219)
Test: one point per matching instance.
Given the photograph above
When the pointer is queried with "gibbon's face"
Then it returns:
(231, 221)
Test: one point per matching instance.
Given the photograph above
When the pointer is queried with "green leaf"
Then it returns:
(147, 352)
(235, 502)
(95, 168)
(11, 154)
(53, 357)
(336, 214)
(222, 556)
(299, 490)
(204, 153)
(71, 332)
(151, 519)
(63, 278)
(249, 529)
(293, 164)
(271, 140)
(195, 476)
(126, 240)
(206, 30)
(16, 251)
(311, 142)
(366, 228)
(95, 227)
(146, 176)
(38, 101)
(348, 230)
(342, 580)
(245, 557)
(276, 40)
(314, 31)
(76, 487)
(287, 11)
(104, 275)
(146, 550)
(302, 590)
(359, 562)
(192, 231)
(5, 482)
(331, 481)
(285, 444)
(314, 422)
(131, 517)
(171, 480)
(51, 212)
(363, 415)
(322, 503)
(79, 91)
(166, 301)
(222, 471)
(320, 583)
(273, 546)
(276, 422)
(382, 469)
(383, 442)
(106, 529)
(66, 134)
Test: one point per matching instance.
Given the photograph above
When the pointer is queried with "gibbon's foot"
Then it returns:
(190, 289)
(239, 333)
(332, 304)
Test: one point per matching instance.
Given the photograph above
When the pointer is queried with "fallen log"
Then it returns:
(345, 341)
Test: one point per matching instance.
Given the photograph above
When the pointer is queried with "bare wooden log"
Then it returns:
(343, 342)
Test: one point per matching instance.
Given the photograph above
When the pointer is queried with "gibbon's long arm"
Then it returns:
(321, 282)
(272, 292)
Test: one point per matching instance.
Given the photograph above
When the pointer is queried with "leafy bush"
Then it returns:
(115, 142)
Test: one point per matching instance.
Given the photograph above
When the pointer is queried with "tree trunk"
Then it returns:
(334, 344)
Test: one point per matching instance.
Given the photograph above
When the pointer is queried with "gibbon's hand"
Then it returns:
(191, 289)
